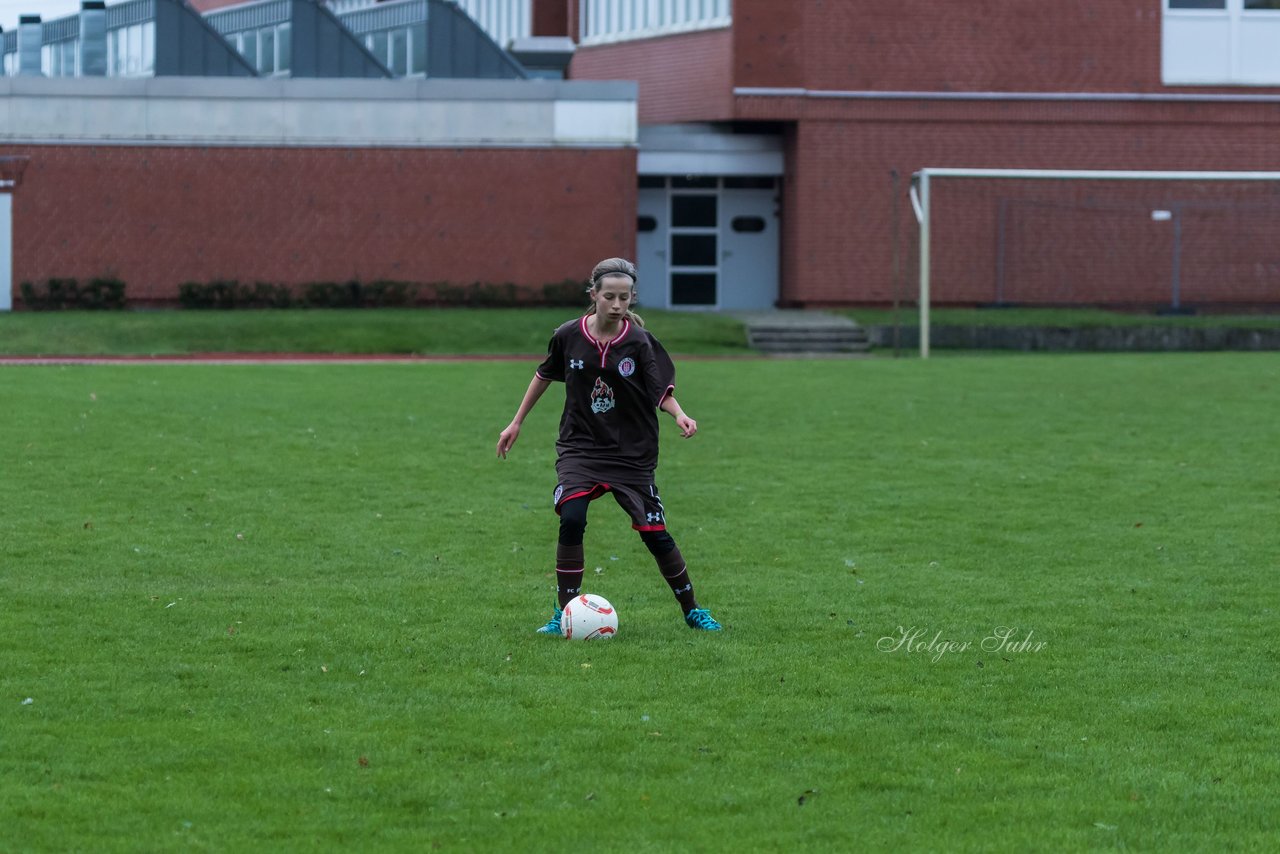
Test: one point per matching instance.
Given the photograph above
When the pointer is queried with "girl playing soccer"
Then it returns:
(616, 375)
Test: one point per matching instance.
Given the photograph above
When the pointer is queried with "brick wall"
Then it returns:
(943, 45)
(158, 216)
(682, 78)
(1061, 243)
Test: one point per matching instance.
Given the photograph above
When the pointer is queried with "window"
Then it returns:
(615, 20)
(402, 50)
(399, 64)
(268, 49)
(1208, 42)
(284, 49)
(248, 46)
(131, 50)
(418, 49)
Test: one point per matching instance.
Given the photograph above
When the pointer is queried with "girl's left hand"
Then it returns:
(687, 426)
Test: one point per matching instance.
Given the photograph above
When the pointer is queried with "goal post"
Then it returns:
(920, 192)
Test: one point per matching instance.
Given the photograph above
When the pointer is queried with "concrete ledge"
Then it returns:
(1097, 339)
(340, 113)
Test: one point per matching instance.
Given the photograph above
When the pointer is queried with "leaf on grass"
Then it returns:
(1102, 826)
(591, 796)
(364, 761)
(805, 796)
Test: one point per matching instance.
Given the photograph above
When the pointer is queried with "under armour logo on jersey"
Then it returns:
(577, 363)
(653, 517)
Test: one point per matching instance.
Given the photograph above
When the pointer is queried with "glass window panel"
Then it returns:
(418, 49)
(693, 250)
(249, 47)
(646, 224)
(46, 60)
(692, 182)
(693, 211)
(267, 51)
(133, 50)
(750, 182)
(284, 47)
(748, 224)
(380, 42)
(649, 182)
(693, 288)
(1262, 5)
(400, 52)
(149, 47)
(1197, 4)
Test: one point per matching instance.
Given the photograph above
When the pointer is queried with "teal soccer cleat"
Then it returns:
(553, 625)
(701, 619)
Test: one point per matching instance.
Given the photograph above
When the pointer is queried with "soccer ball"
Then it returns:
(589, 617)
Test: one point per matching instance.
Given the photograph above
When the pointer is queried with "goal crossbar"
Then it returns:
(919, 193)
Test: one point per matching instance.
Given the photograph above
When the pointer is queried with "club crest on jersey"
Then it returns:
(555, 499)
(627, 366)
(601, 397)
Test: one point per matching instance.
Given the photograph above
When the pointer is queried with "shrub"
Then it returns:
(570, 292)
(100, 294)
(231, 294)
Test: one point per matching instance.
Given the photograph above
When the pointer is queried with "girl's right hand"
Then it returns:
(508, 438)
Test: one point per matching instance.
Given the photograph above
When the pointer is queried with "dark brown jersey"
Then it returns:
(609, 429)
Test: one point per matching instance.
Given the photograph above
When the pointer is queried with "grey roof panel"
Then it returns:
(322, 47)
(458, 47)
(187, 46)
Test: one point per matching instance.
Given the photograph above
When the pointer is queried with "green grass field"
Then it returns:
(408, 331)
(292, 608)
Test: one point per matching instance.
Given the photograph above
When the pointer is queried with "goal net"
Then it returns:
(1099, 238)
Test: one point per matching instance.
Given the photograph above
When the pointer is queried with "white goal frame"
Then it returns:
(919, 193)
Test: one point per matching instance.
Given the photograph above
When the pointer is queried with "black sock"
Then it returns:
(671, 565)
(569, 564)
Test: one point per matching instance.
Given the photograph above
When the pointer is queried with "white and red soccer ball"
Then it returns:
(589, 617)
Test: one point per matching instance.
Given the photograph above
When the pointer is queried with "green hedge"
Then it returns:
(101, 293)
(378, 294)
(109, 293)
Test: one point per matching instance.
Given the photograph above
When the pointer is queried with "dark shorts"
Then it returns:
(641, 502)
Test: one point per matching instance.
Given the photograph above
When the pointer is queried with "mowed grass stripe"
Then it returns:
(294, 606)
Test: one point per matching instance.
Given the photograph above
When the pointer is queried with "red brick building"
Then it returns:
(863, 94)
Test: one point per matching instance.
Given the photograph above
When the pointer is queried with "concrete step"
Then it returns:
(809, 332)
